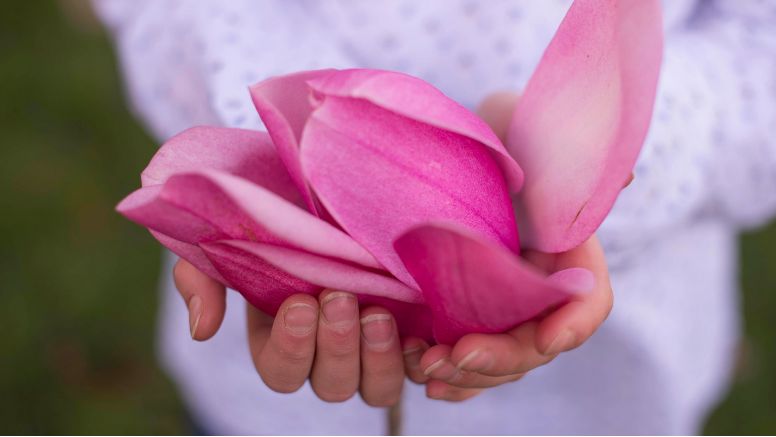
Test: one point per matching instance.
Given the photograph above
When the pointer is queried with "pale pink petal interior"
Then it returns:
(581, 121)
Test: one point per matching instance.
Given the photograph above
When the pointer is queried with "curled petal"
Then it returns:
(266, 275)
(415, 99)
(284, 103)
(262, 284)
(329, 273)
(209, 205)
(472, 285)
(379, 173)
(191, 253)
(580, 124)
(244, 153)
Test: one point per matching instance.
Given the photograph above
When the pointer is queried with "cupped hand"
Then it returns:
(328, 340)
(479, 361)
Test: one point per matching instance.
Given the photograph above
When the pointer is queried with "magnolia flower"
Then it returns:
(375, 183)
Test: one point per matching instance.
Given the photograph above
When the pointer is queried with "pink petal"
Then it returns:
(413, 320)
(413, 98)
(244, 153)
(329, 273)
(266, 275)
(582, 119)
(379, 174)
(472, 285)
(209, 205)
(284, 104)
(148, 208)
(191, 253)
(263, 285)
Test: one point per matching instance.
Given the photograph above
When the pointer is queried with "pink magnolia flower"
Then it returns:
(376, 183)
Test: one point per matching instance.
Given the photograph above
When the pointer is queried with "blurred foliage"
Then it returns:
(78, 287)
(78, 284)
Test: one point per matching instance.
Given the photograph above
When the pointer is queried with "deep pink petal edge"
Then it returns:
(472, 285)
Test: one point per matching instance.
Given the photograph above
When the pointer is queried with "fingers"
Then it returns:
(439, 364)
(496, 110)
(283, 350)
(572, 324)
(205, 299)
(628, 181)
(382, 367)
(413, 349)
(500, 355)
(336, 370)
(440, 390)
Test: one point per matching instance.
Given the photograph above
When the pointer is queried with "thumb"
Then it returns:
(205, 299)
(496, 110)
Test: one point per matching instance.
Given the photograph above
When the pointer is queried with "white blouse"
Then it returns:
(664, 356)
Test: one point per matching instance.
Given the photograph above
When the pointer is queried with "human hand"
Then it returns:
(326, 339)
(479, 361)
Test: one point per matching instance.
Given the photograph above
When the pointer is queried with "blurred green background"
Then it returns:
(78, 284)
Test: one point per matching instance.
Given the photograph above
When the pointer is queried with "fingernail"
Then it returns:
(411, 350)
(565, 340)
(443, 370)
(412, 355)
(377, 330)
(300, 318)
(195, 313)
(435, 365)
(340, 308)
(475, 361)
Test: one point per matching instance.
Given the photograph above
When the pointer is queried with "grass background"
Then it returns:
(78, 293)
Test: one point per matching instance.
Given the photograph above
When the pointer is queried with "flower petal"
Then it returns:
(146, 207)
(191, 253)
(284, 104)
(244, 153)
(329, 273)
(379, 174)
(209, 205)
(416, 99)
(413, 320)
(262, 284)
(266, 275)
(580, 124)
(472, 285)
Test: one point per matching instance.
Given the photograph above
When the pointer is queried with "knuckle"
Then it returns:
(293, 354)
(341, 347)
